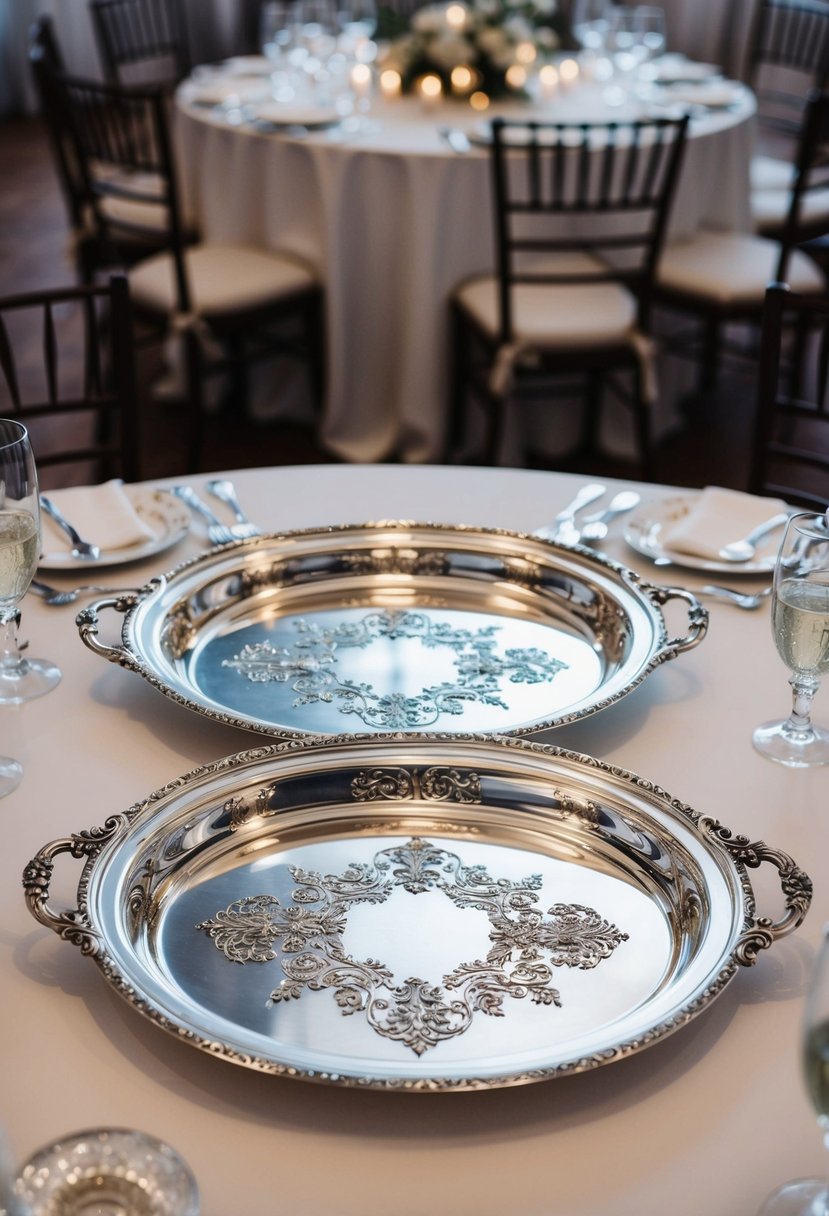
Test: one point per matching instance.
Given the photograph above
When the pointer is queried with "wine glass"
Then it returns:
(278, 30)
(21, 679)
(649, 23)
(590, 23)
(800, 627)
(810, 1196)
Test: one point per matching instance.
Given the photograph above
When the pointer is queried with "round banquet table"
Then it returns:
(708, 1120)
(393, 220)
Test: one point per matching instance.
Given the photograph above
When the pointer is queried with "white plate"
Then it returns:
(168, 518)
(284, 115)
(644, 531)
(676, 69)
(713, 94)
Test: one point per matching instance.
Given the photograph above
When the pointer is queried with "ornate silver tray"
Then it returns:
(418, 913)
(395, 626)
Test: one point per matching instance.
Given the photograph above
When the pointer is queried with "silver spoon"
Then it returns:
(741, 599)
(81, 548)
(55, 597)
(562, 528)
(743, 550)
(596, 527)
(225, 491)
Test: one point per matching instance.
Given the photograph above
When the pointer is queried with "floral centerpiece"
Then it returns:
(496, 40)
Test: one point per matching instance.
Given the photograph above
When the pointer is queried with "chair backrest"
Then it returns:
(46, 61)
(788, 57)
(803, 224)
(790, 451)
(67, 372)
(122, 145)
(600, 189)
(141, 42)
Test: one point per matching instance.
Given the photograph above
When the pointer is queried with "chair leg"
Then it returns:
(642, 410)
(315, 328)
(709, 368)
(458, 373)
(195, 399)
(590, 417)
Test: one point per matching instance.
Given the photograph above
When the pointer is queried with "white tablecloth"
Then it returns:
(707, 1121)
(394, 220)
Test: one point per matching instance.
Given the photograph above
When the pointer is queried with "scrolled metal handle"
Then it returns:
(795, 884)
(87, 623)
(71, 924)
(697, 618)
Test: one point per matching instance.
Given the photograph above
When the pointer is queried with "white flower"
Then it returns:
(429, 20)
(450, 50)
(493, 41)
(547, 38)
(547, 7)
(519, 29)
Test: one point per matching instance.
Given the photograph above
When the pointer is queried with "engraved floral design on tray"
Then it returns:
(526, 943)
(310, 664)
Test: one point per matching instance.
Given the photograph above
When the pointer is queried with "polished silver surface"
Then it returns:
(563, 529)
(395, 626)
(218, 533)
(745, 549)
(417, 913)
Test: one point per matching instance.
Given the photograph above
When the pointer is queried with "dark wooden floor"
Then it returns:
(34, 254)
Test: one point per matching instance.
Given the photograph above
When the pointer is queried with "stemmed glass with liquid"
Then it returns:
(590, 24)
(800, 627)
(810, 1196)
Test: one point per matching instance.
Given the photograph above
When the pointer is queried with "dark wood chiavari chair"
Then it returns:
(230, 305)
(580, 215)
(790, 451)
(141, 42)
(81, 407)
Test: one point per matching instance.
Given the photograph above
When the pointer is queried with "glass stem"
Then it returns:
(9, 649)
(803, 692)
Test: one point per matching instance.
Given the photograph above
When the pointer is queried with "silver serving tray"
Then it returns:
(416, 913)
(395, 626)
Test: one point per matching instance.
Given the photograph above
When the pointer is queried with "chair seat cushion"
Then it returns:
(553, 315)
(769, 208)
(134, 214)
(223, 279)
(768, 173)
(731, 268)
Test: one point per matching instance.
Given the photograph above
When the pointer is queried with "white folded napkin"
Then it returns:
(718, 517)
(102, 514)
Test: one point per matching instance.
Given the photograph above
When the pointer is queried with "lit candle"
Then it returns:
(516, 76)
(391, 84)
(456, 17)
(548, 82)
(479, 101)
(360, 78)
(462, 80)
(568, 72)
(525, 53)
(430, 88)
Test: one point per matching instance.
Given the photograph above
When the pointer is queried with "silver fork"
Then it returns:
(225, 491)
(217, 532)
(80, 548)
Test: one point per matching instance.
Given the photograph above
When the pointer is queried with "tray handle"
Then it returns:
(796, 886)
(72, 925)
(697, 618)
(87, 623)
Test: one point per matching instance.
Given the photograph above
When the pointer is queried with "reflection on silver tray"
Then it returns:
(395, 626)
(416, 912)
